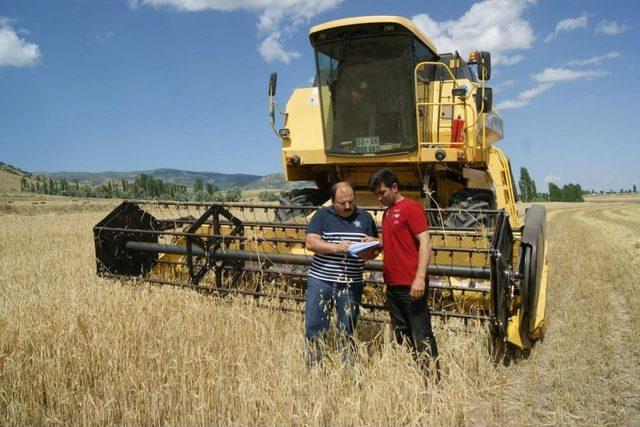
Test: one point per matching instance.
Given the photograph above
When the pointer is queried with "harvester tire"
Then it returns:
(299, 198)
(531, 264)
(470, 199)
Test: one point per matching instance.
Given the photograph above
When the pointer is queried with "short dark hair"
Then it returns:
(334, 188)
(385, 176)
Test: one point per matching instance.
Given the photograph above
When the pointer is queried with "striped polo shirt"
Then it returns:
(334, 228)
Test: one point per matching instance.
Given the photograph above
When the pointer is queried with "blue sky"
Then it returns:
(95, 85)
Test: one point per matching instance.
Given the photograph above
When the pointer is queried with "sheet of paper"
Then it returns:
(356, 248)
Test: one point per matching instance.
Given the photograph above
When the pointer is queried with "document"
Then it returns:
(356, 248)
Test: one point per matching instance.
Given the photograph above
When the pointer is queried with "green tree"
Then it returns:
(52, 186)
(555, 193)
(233, 195)
(267, 196)
(211, 188)
(634, 188)
(197, 185)
(568, 193)
(572, 193)
(527, 186)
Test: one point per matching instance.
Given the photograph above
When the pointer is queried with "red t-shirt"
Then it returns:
(400, 224)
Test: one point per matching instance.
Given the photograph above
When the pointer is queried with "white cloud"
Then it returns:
(555, 75)
(524, 97)
(611, 28)
(567, 25)
(278, 18)
(503, 85)
(271, 50)
(493, 25)
(507, 60)
(593, 60)
(552, 178)
(14, 51)
(546, 80)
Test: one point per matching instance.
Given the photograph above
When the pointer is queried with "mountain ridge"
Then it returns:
(182, 177)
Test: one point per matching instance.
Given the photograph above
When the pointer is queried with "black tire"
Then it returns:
(532, 257)
(474, 195)
(299, 198)
(470, 199)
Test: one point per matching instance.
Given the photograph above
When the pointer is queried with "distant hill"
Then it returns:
(10, 177)
(9, 183)
(174, 176)
(13, 170)
(182, 177)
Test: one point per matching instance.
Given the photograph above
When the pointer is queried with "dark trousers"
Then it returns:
(321, 296)
(411, 323)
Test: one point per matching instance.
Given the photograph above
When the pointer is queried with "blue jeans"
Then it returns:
(320, 298)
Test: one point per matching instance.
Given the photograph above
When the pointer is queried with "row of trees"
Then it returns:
(143, 187)
(633, 189)
(529, 192)
(568, 193)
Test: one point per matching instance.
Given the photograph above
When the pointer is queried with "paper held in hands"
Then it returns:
(356, 248)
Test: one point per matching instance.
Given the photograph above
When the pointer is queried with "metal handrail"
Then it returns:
(464, 104)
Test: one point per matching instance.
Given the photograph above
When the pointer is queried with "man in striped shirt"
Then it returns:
(335, 277)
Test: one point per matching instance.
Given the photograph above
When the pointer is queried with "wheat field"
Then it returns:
(78, 349)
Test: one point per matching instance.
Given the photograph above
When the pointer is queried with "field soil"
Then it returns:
(78, 349)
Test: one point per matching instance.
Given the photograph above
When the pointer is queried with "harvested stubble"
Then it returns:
(78, 349)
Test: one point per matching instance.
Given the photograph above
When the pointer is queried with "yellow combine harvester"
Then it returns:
(382, 96)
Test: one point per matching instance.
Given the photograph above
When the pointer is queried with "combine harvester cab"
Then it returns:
(382, 97)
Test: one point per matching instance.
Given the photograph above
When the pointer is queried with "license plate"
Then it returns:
(367, 144)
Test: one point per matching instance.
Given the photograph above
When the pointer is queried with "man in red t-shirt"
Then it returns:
(406, 247)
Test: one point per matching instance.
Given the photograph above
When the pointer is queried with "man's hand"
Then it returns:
(316, 244)
(417, 288)
(370, 239)
(342, 247)
(370, 253)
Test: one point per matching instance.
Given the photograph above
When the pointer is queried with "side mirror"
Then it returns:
(273, 82)
(484, 65)
(484, 99)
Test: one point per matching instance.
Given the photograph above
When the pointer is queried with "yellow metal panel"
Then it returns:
(501, 177)
(347, 22)
(538, 323)
(436, 108)
(513, 329)
(304, 122)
